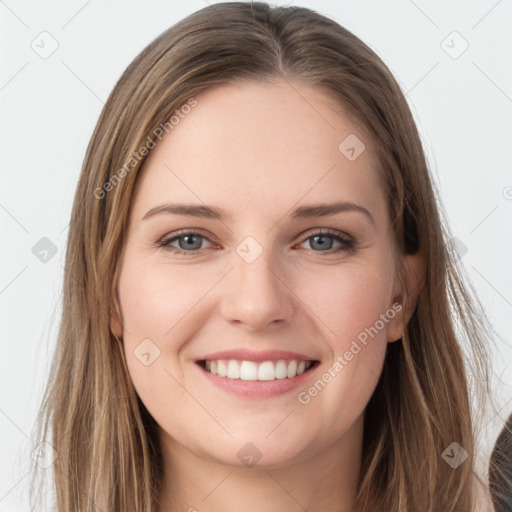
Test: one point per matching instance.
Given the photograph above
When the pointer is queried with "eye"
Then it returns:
(191, 242)
(320, 240)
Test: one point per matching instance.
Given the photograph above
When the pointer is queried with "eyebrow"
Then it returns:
(302, 212)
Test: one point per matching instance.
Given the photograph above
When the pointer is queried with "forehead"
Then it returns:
(263, 146)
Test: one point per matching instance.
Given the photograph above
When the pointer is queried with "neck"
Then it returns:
(324, 481)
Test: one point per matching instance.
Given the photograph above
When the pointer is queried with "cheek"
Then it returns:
(155, 299)
(348, 300)
(350, 305)
(162, 304)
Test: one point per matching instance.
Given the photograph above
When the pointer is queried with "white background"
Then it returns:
(49, 107)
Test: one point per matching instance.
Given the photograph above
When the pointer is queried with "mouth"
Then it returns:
(245, 370)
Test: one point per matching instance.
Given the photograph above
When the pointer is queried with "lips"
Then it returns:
(250, 355)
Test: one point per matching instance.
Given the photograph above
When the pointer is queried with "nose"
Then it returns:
(256, 294)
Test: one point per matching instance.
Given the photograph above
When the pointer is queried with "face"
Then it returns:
(291, 306)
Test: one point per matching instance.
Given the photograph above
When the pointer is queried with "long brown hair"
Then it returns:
(108, 454)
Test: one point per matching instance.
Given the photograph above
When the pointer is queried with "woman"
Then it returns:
(260, 302)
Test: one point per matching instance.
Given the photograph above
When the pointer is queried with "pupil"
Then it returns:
(190, 240)
(321, 241)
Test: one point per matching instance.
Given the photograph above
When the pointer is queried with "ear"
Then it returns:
(407, 289)
(116, 324)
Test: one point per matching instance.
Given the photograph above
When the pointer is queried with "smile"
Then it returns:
(257, 371)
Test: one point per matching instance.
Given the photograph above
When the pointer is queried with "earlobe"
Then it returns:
(115, 321)
(407, 294)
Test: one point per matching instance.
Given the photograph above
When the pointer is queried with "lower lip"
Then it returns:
(257, 388)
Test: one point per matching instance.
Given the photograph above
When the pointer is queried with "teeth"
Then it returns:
(222, 370)
(266, 371)
(250, 370)
(292, 369)
(233, 369)
(281, 370)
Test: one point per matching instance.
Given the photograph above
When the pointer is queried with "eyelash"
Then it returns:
(349, 244)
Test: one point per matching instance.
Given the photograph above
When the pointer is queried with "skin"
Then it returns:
(259, 151)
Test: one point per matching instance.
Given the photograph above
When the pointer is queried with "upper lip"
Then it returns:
(243, 354)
